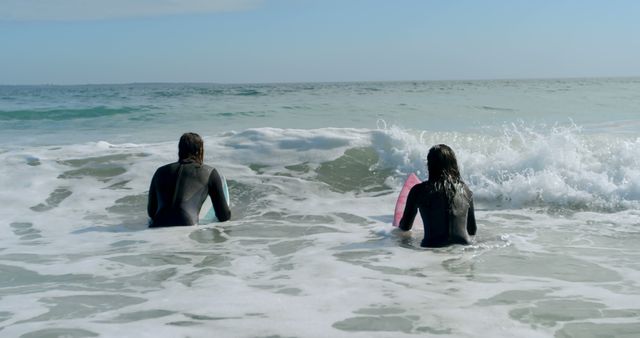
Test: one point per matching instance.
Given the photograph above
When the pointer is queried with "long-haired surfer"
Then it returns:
(444, 200)
(179, 189)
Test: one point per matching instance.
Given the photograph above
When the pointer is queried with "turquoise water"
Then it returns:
(144, 112)
(313, 172)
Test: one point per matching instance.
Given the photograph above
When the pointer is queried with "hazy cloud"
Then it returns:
(68, 10)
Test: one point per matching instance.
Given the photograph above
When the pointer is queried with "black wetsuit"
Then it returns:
(178, 191)
(445, 222)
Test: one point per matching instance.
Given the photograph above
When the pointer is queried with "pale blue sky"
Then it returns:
(242, 41)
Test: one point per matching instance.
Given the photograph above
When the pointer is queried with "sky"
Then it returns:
(266, 41)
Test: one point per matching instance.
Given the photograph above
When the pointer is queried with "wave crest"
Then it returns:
(520, 166)
(61, 114)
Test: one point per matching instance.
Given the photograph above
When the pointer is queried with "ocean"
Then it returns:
(313, 171)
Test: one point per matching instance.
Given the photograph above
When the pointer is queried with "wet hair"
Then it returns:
(444, 175)
(191, 147)
(442, 164)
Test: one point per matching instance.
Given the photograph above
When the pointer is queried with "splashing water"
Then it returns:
(310, 251)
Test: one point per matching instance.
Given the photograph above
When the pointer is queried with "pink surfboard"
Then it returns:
(402, 200)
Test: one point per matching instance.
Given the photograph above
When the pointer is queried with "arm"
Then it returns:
(216, 192)
(152, 204)
(410, 210)
(471, 220)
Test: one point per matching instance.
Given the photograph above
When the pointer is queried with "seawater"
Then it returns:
(313, 171)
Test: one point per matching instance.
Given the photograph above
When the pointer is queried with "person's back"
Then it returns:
(444, 201)
(179, 189)
(447, 220)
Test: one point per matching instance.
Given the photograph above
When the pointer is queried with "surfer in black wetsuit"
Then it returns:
(445, 202)
(179, 189)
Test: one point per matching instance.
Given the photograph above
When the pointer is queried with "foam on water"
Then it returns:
(531, 166)
(310, 251)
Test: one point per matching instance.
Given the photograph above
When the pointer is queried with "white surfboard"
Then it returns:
(207, 213)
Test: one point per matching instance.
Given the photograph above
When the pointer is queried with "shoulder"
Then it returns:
(419, 188)
(213, 172)
(426, 186)
(166, 167)
(207, 167)
(196, 168)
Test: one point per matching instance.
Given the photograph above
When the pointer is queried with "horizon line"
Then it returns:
(314, 82)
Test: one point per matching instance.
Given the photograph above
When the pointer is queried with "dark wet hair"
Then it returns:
(442, 164)
(191, 147)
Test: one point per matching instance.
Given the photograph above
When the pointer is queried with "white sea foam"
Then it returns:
(524, 166)
(310, 251)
